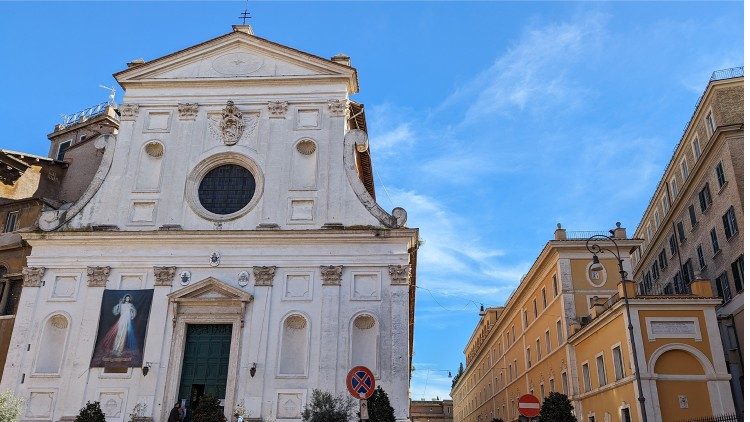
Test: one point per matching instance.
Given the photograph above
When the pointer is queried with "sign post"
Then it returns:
(528, 405)
(360, 382)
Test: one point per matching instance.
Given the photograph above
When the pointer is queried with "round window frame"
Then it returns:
(202, 168)
(603, 272)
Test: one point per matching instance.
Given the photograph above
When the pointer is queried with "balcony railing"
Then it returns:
(71, 119)
(732, 72)
(585, 234)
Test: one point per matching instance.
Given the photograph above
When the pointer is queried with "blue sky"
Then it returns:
(489, 122)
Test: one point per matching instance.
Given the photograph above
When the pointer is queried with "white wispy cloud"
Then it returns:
(532, 75)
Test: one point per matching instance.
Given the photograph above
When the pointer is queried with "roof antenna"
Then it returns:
(112, 91)
(245, 15)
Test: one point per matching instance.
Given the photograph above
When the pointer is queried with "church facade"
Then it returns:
(229, 244)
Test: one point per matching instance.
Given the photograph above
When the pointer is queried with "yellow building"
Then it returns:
(564, 329)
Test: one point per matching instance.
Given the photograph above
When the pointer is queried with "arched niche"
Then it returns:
(293, 356)
(304, 165)
(364, 342)
(148, 177)
(52, 345)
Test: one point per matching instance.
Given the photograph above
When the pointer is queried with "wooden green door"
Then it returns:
(205, 362)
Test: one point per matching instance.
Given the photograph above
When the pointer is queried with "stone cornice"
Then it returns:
(230, 237)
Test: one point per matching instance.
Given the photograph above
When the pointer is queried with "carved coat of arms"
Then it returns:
(231, 124)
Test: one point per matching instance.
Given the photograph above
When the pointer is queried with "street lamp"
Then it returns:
(596, 266)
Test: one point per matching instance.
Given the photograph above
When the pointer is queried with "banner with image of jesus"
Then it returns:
(122, 328)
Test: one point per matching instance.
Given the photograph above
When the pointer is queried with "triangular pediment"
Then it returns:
(210, 289)
(236, 56)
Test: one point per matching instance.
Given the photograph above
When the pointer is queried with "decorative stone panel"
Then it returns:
(128, 111)
(231, 125)
(331, 274)
(97, 276)
(277, 109)
(163, 276)
(264, 275)
(399, 273)
(187, 111)
(32, 276)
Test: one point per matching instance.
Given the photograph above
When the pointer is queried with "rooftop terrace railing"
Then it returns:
(732, 72)
(87, 113)
(585, 234)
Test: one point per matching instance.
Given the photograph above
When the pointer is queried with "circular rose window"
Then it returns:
(226, 189)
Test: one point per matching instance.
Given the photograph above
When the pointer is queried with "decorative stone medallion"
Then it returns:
(278, 109)
(306, 147)
(243, 278)
(187, 111)
(128, 111)
(264, 275)
(215, 259)
(237, 64)
(154, 149)
(331, 274)
(399, 273)
(97, 276)
(163, 276)
(231, 124)
(185, 278)
(32, 276)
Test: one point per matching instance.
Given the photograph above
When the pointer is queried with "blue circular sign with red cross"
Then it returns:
(360, 382)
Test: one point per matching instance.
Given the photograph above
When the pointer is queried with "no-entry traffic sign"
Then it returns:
(360, 382)
(528, 405)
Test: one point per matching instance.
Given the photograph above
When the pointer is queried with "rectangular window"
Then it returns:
(61, 150)
(649, 232)
(525, 319)
(738, 273)
(619, 367)
(528, 357)
(564, 378)
(714, 241)
(552, 385)
(684, 168)
(696, 148)
(513, 331)
(710, 126)
(665, 203)
(657, 217)
(672, 244)
(559, 333)
(10, 221)
(647, 281)
(687, 272)
(507, 339)
(538, 350)
(536, 310)
(555, 290)
(693, 217)
(681, 232)
(548, 340)
(601, 371)
(730, 223)
(722, 287)
(673, 185)
(662, 259)
(592, 418)
(586, 378)
(720, 175)
(655, 270)
(704, 197)
(541, 390)
(701, 258)
(544, 298)
(625, 412)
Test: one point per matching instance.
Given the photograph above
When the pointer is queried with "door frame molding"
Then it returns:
(207, 302)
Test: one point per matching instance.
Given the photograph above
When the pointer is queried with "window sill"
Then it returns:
(732, 237)
(708, 207)
(722, 187)
(716, 254)
(694, 227)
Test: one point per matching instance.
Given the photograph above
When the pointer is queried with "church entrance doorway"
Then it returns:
(205, 363)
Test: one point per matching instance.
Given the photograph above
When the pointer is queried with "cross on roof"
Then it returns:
(245, 15)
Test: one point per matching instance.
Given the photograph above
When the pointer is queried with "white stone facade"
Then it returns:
(312, 275)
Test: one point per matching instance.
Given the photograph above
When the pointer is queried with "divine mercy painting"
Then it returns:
(122, 328)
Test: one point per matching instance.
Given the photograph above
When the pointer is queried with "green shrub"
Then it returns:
(92, 412)
(324, 407)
